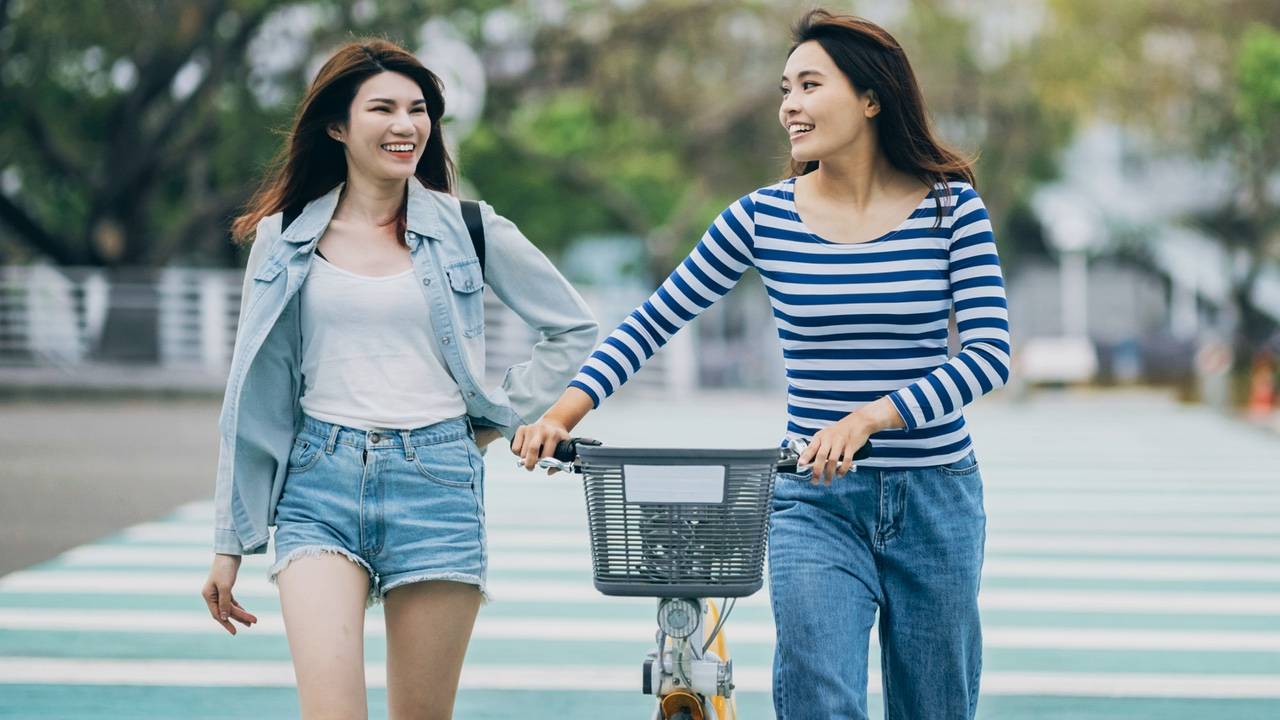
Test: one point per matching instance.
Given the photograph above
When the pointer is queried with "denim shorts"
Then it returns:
(405, 505)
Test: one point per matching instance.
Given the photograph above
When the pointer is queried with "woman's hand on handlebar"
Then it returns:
(536, 441)
(832, 448)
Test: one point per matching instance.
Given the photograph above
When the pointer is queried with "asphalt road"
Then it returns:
(74, 470)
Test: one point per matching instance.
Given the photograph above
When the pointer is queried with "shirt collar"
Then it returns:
(422, 216)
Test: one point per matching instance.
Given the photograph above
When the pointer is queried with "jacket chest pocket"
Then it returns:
(467, 284)
(262, 279)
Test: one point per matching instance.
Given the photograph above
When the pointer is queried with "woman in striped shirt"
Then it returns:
(877, 236)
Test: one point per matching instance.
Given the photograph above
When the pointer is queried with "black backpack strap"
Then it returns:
(290, 214)
(475, 227)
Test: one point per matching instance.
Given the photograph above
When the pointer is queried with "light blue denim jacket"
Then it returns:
(261, 409)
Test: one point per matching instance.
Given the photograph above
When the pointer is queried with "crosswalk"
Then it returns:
(1133, 570)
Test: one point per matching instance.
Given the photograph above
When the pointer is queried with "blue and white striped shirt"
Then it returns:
(857, 321)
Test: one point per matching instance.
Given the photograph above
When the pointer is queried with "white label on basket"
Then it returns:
(673, 484)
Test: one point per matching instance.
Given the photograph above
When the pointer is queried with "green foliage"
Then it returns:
(528, 193)
(114, 164)
(1258, 82)
(629, 151)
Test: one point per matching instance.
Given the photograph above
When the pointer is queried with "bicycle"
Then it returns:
(682, 526)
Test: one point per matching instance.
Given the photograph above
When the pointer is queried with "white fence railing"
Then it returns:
(184, 319)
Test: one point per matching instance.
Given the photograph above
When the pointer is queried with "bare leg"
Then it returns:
(323, 599)
(428, 627)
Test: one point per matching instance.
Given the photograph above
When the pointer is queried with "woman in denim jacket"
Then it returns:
(355, 411)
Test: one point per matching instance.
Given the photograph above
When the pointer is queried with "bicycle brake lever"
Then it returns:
(548, 463)
(789, 456)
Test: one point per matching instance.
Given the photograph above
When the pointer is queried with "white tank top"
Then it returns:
(369, 357)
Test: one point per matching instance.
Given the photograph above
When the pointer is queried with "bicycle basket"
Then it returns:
(677, 523)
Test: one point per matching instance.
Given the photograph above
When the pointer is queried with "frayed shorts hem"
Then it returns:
(315, 550)
(377, 588)
(458, 577)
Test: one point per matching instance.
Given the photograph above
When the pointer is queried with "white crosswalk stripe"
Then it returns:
(210, 673)
(127, 621)
(94, 556)
(172, 533)
(570, 591)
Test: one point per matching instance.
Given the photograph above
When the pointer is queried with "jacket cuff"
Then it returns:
(227, 542)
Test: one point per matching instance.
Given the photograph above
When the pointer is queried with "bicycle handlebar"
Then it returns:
(565, 456)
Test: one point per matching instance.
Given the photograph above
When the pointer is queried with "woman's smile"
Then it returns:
(797, 130)
(403, 151)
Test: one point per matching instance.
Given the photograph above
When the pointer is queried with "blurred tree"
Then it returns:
(640, 118)
(656, 115)
(1201, 79)
(113, 109)
(992, 102)
(1250, 222)
(136, 128)
(143, 125)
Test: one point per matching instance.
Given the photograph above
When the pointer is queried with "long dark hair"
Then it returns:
(311, 163)
(873, 60)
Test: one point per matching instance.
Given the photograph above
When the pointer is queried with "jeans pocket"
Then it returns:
(967, 465)
(304, 456)
(805, 476)
(787, 484)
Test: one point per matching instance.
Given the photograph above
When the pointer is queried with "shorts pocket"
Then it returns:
(450, 463)
(304, 456)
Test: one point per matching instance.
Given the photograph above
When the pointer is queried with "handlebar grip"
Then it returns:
(567, 450)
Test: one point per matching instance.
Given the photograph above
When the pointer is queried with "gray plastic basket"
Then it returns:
(677, 523)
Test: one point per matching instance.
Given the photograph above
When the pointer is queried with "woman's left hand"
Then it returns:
(831, 450)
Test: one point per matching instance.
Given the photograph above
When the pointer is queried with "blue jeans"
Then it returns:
(906, 542)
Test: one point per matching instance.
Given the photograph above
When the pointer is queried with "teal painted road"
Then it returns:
(1133, 571)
